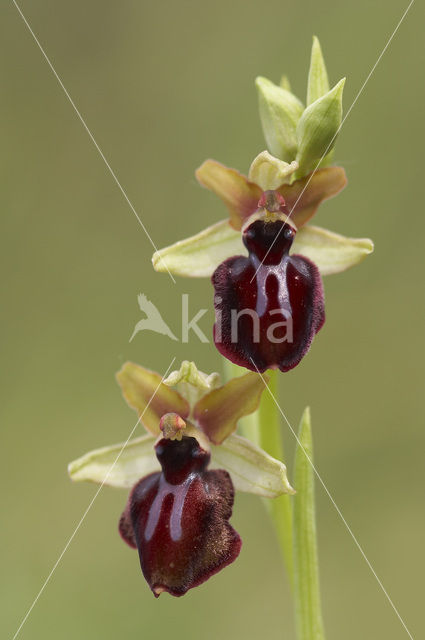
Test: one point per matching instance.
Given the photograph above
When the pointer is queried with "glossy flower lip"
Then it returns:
(177, 514)
(269, 305)
(178, 519)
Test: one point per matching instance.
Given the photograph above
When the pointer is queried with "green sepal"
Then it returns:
(200, 255)
(122, 465)
(119, 465)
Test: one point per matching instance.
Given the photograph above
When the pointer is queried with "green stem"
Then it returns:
(270, 439)
(264, 429)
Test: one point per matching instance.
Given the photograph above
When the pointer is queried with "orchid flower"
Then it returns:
(183, 472)
(270, 304)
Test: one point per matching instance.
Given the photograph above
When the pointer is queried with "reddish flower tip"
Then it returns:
(270, 304)
(178, 519)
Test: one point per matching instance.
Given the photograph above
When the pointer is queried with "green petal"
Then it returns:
(270, 172)
(331, 252)
(318, 83)
(252, 470)
(199, 255)
(120, 465)
(218, 412)
(280, 112)
(191, 383)
(145, 392)
(238, 194)
(304, 196)
(317, 128)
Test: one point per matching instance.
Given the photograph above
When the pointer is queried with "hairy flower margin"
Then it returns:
(178, 509)
(269, 211)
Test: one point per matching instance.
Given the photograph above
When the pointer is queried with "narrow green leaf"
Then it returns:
(280, 112)
(318, 83)
(317, 128)
(306, 568)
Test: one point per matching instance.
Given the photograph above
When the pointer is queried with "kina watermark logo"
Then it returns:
(236, 322)
(153, 320)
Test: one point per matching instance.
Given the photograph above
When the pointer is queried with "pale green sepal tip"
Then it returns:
(318, 127)
(270, 172)
(199, 255)
(306, 569)
(120, 465)
(252, 470)
(318, 83)
(280, 112)
(330, 252)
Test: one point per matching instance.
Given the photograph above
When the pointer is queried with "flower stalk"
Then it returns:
(271, 440)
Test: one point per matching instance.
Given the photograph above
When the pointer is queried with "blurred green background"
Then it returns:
(162, 86)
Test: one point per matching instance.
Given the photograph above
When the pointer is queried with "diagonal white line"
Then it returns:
(319, 477)
(360, 91)
(102, 155)
(47, 580)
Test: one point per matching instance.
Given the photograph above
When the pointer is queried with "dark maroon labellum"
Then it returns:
(270, 304)
(178, 519)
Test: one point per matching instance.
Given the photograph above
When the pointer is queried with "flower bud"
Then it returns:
(318, 83)
(318, 127)
(280, 112)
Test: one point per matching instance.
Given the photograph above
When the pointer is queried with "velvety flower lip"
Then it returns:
(178, 519)
(184, 472)
(270, 304)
